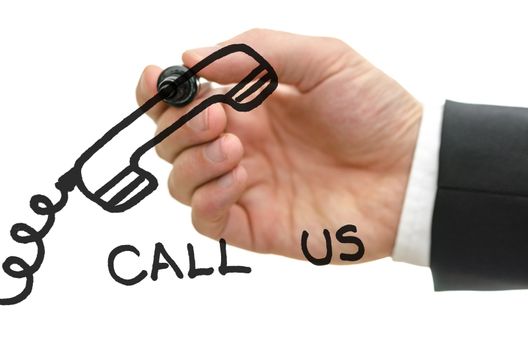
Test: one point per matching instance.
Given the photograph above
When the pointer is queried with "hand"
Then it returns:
(331, 146)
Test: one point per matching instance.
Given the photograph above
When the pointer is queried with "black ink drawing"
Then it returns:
(157, 264)
(243, 96)
(340, 236)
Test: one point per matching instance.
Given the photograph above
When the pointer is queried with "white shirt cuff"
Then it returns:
(413, 240)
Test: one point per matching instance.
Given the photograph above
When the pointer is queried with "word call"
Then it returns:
(158, 264)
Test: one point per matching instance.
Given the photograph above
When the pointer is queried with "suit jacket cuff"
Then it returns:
(480, 223)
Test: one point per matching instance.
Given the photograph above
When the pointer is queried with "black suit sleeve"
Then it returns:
(480, 222)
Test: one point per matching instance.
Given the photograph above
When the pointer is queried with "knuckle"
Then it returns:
(205, 225)
(197, 222)
(202, 207)
(160, 151)
(177, 192)
(338, 43)
(198, 216)
(256, 33)
(334, 42)
(338, 46)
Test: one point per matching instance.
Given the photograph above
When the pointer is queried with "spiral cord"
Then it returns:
(22, 233)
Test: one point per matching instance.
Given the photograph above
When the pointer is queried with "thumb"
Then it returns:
(301, 61)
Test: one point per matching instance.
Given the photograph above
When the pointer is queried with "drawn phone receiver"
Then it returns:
(135, 183)
(244, 96)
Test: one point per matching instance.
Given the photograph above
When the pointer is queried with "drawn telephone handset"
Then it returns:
(134, 182)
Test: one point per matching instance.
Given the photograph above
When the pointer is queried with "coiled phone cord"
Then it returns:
(22, 233)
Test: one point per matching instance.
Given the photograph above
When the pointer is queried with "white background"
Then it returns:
(68, 72)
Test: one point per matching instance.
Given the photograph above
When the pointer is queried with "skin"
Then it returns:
(333, 145)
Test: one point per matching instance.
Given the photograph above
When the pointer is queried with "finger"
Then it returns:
(204, 127)
(215, 212)
(198, 165)
(147, 88)
(299, 60)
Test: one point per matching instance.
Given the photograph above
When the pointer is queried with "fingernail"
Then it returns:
(226, 180)
(203, 51)
(200, 122)
(214, 151)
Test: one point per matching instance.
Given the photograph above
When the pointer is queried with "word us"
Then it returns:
(342, 238)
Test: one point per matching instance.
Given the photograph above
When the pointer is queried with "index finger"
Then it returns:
(146, 88)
